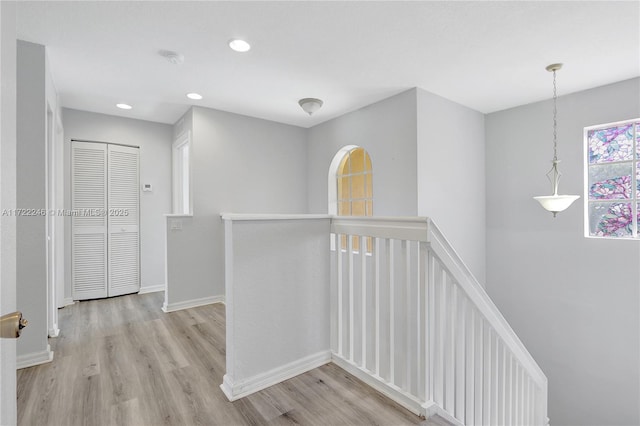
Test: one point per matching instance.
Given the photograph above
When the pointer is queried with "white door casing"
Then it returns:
(8, 406)
(50, 169)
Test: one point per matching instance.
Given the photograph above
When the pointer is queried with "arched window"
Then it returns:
(351, 186)
(354, 181)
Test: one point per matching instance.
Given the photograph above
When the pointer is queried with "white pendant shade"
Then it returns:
(556, 203)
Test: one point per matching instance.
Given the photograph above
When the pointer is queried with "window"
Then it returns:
(613, 180)
(354, 188)
(182, 176)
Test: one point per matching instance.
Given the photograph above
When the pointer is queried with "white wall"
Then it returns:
(387, 130)
(31, 278)
(451, 175)
(154, 140)
(574, 302)
(8, 412)
(277, 300)
(238, 164)
(415, 140)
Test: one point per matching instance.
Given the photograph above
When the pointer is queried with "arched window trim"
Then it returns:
(332, 190)
(333, 178)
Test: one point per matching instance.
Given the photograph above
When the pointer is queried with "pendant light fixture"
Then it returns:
(555, 203)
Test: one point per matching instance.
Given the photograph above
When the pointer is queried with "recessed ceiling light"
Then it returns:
(173, 57)
(239, 45)
(195, 96)
(124, 106)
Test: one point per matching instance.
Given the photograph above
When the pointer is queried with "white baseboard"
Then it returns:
(395, 393)
(151, 289)
(66, 302)
(246, 387)
(34, 358)
(434, 412)
(171, 307)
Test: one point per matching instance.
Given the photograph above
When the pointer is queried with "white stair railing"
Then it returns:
(410, 319)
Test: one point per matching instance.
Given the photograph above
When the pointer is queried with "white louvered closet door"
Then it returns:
(89, 224)
(123, 224)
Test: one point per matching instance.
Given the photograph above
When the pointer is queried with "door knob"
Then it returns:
(11, 325)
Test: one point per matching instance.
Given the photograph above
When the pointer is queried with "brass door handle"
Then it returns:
(11, 325)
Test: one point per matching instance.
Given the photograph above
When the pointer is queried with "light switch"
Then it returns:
(147, 187)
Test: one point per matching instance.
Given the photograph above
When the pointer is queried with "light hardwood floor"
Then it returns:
(122, 361)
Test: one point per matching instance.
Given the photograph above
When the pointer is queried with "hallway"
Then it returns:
(122, 361)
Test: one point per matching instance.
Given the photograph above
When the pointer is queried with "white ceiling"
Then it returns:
(487, 55)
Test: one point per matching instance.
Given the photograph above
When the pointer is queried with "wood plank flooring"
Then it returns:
(122, 361)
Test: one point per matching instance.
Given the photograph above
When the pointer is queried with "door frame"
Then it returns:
(8, 87)
(108, 146)
(50, 226)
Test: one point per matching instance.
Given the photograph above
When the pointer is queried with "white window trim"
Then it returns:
(636, 159)
(332, 186)
(177, 183)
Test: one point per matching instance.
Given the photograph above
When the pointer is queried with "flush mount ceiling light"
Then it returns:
(555, 203)
(194, 96)
(239, 45)
(310, 105)
(173, 57)
(124, 106)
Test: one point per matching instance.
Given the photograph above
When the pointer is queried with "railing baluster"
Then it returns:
(376, 277)
(532, 397)
(433, 325)
(449, 359)
(523, 392)
(392, 290)
(479, 363)
(487, 375)
(351, 298)
(406, 245)
(363, 296)
(503, 398)
(495, 382)
(515, 390)
(429, 327)
(525, 406)
(460, 357)
(420, 372)
(509, 389)
(517, 407)
(440, 333)
(469, 386)
(515, 393)
(339, 267)
(532, 402)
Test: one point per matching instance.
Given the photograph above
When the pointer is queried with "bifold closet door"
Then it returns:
(105, 225)
(88, 222)
(123, 224)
